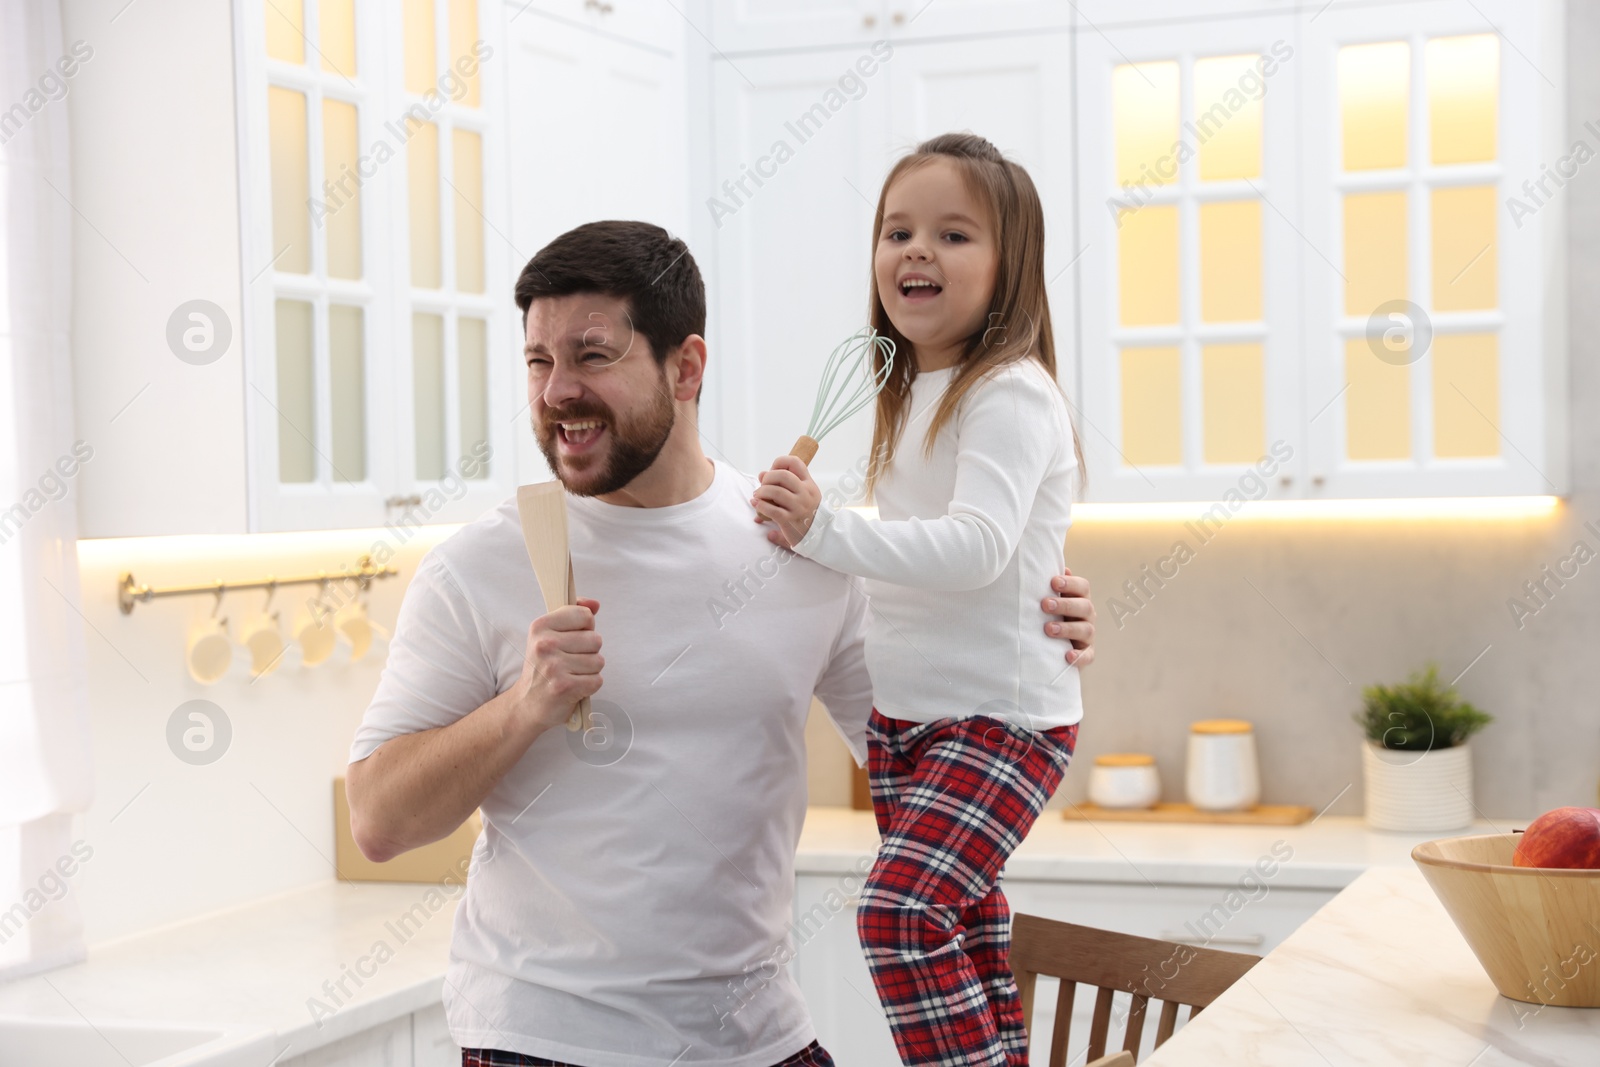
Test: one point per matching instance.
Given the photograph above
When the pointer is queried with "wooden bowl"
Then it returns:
(1536, 930)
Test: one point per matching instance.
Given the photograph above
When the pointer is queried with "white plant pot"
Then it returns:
(1418, 792)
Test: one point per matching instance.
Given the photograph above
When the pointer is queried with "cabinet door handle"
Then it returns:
(414, 501)
(1248, 940)
(869, 21)
(899, 18)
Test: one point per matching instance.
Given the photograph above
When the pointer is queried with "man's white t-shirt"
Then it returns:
(629, 882)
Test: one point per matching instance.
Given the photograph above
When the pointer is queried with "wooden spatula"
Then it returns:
(543, 509)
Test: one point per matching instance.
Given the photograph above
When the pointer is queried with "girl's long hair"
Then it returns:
(1017, 326)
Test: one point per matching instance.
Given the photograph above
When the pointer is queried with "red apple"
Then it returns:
(1563, 837)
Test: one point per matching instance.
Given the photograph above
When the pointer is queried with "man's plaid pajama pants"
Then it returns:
(813, 1055)
(953, 799)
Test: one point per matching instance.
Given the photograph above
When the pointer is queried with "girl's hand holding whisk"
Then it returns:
(789, 498)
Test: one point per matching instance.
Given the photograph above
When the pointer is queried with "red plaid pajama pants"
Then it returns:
(813, 1055)
(953, 799)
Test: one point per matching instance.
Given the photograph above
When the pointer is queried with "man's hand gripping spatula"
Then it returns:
(543, 509)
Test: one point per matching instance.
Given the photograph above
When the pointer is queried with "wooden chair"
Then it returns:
(1116, 1059)
(1149, 969)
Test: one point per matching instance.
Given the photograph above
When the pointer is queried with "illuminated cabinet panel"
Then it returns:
(1233, 387)
(1189, 185)
(1148, 272)
(382, 368)
(1318, 235)
(1152, 407)
(1434, 328)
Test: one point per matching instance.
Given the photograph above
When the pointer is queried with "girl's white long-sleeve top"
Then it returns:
(966, 541)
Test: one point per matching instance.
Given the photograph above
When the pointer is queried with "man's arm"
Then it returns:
(1074, 616)
(418, 787)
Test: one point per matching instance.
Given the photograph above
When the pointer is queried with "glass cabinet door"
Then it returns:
(1187, 183)
(1426, 373)
(375, 391)
(449, 388)
(320, 402)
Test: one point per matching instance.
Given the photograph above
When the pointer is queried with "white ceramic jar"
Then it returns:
(1124, 780)
(1222, 771)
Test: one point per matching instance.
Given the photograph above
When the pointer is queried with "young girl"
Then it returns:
(973, 467)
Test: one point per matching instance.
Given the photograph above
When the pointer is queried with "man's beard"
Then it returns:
(633, 447)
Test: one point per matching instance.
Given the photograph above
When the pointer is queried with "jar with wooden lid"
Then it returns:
(1126, 780)
(1222, 772)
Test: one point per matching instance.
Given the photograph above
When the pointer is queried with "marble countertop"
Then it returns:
(1328, 853)
(1379, 975)
(296, 971)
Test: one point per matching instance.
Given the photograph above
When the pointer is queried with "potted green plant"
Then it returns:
(1417, 760)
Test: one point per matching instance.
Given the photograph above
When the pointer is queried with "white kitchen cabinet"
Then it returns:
(596, 131)
(800, 158)
(1219, 917)
(168, 435)
(833, 975)
(1214, 354)
(917, 19)
(1097, 15)
(619, 156)
(421, 1039)
(431, 1043)
(270, 358)
(1187, 198)
(740, 26)
(651, 23)
(1383, 325)
(794, 183)
(378, 378)
(387, 1045)
(1453, 218)
(1013, 91)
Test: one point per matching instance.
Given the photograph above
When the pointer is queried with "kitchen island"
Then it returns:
(1379, 975)
(1362, 965)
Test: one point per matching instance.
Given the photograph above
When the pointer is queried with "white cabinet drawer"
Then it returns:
(739, 26)
(388, 1045)
(1228, 918)
(431, 1043)
(1222, 917)
(651, 23)
(832, 973)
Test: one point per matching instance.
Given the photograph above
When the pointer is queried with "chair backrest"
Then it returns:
(1149, 969)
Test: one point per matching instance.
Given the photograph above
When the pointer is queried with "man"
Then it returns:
(627, 873)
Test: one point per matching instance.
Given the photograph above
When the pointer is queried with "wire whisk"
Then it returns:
(851, 379)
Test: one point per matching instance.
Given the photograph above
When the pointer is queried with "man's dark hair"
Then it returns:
(636, 262)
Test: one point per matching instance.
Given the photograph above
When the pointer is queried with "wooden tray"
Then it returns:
(1261, 815)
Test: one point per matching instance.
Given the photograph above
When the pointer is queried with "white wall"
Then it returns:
(172, 840)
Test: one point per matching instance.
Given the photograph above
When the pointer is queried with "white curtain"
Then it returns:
(45, 769)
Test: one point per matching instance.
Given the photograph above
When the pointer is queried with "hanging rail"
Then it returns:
(130, 593)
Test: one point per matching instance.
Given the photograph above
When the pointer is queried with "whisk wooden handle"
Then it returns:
(805, 449)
